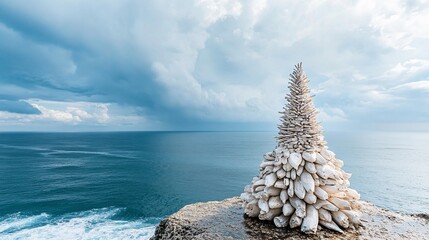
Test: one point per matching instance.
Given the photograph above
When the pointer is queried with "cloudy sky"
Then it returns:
(210, 65)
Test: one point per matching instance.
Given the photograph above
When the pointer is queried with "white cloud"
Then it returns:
(226, 60)
(411, 66)
(331, 114)
(417, 85)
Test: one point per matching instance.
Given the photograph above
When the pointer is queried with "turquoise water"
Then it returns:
(119, 185)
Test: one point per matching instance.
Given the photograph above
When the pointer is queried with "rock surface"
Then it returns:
(225, 220)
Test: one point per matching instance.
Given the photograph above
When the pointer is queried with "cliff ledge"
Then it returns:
(225, 220)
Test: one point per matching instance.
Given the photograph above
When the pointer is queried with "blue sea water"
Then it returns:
(120, 185)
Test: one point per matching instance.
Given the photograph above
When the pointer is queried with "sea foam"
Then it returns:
(92, 224)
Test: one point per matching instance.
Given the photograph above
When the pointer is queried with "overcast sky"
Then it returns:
(210, 65)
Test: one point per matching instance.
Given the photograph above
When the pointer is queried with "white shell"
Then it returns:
(320, 159)
(309, 157)
(310, 167)
(281, 221)
(294, 160)
(299, 189)
(263, 205)
(283, 196)
(325, 215)
(288, 209)
(320, 193)
(270, 179)
(252, 209)
(275, 202)
(290, 190)
(310, 221)
(294, 221)
(270, 215)
(307, 181)
(340, 218)
(299, 206)
(310, 198)
(281, 173)
(340, 203)
(330, 225)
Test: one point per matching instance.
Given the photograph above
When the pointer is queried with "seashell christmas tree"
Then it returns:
(301, 183)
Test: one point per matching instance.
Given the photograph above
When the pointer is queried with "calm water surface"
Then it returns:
(116, 185)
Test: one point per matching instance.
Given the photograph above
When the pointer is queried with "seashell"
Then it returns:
(283, 160)
(271, 214)
(320, 193)
(320, 159)
(310, 198)
(259, 188)
(288, 167)
(353, 217)
(299, 206)
(269, 155)
(340, 203)
(280, 184)
(288, 209)
(270, 179)
(324, 171)
(309, 156)
(268, 169)
(353, 194)
(293, 174)
(290, 190)
(330, 225)
(356, 205)
(347, 175)
(328, 181)
(278, 150)
(307, 181)
(324, 215)
(299, 171)
(248, 188)
(338, 163)
(330, 189)
(252, 209)
(266, 163)
(287, 174)
(272, 191)
(295, 159)
(286, 181)
(246, 196)
(340, 218)
(259, 183)
(294, 221)
(281, 221)
(310, 221)
(283, 196)
(278, 167)
(327, 154)
(275, 202)
(281, 173)
(310, 167)
(286, 153)
(299, 189)
(329, 206)
(340, 195)
(263, 205)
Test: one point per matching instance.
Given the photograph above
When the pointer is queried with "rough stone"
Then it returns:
(225, 220)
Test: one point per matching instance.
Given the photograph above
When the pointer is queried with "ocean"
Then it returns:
(120, 185)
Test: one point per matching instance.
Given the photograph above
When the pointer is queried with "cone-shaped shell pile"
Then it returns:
(301, 183)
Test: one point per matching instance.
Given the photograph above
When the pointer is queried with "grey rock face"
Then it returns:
(225, 220)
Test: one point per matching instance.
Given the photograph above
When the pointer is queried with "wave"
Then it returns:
(92, 224)
(54, 152)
